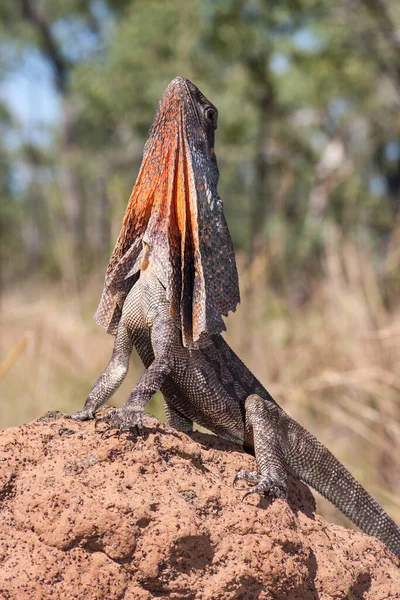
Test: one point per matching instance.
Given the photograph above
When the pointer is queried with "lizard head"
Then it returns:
(202, 117)
(175, 210)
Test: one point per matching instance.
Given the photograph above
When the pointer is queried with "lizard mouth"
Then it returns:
(186, 84)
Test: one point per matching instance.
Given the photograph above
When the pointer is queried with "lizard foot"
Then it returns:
(82, 415)
(265, 485)
(123, 418)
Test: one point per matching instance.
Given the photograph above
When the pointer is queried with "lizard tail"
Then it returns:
(315, 465)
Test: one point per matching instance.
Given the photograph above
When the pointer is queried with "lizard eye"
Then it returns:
(210, 115)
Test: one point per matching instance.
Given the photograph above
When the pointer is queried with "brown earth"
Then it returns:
(93, 516)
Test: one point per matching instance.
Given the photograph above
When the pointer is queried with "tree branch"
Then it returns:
(50, 48)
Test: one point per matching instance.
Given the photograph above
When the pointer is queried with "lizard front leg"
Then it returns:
(164, 339)
(112, 376)
(131, 414)
(175, 418)
(262, 420)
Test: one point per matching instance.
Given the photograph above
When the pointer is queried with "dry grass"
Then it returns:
(333, 364)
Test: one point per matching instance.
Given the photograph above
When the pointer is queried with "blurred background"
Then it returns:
(308, 145)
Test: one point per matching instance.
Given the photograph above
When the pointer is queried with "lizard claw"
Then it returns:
(123, 418)
(85, 414)
(249, 476)
(265, 485)
(257, 489)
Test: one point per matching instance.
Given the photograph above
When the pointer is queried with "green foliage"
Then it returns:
(308, 94)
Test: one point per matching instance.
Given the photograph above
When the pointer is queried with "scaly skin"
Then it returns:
(166, 299)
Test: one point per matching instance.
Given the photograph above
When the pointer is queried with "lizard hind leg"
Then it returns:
(176, 419)
(262, 430)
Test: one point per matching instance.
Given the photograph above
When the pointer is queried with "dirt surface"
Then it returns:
(92, 516)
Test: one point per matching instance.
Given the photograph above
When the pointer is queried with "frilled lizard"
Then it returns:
(171, 277)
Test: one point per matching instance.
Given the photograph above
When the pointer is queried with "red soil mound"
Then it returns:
(88, 516)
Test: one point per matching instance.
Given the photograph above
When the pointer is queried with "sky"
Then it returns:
(29, 95)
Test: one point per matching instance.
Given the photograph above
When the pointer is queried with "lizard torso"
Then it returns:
(196, 373)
